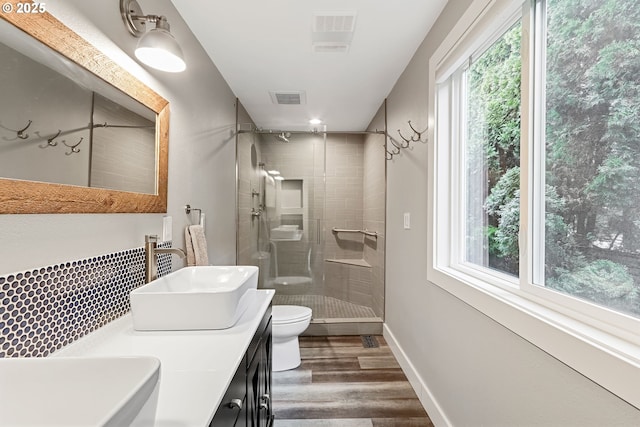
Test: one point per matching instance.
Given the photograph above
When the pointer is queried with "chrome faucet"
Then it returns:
(151, 249)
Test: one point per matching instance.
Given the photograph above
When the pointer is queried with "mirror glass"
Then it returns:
(75, 127)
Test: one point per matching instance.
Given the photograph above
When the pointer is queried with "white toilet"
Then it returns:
(288, 322)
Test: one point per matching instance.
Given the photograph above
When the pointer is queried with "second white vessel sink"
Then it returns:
(205, 297)
(66, 391)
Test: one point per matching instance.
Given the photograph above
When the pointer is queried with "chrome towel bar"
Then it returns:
(366, 232)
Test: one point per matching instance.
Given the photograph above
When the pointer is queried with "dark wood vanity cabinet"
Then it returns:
(247, 402)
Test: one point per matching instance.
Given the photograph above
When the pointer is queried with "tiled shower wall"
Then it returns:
(47, 308)
(344, 196)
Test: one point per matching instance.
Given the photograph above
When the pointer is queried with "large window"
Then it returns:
(541, 152)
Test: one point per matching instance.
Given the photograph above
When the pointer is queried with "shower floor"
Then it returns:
(329, 309)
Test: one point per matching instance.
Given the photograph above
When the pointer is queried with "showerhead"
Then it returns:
(284, 137)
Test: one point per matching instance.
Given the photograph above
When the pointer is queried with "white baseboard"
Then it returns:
(429, 403)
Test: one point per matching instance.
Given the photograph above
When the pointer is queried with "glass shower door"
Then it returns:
(291, 196)
(294, 217)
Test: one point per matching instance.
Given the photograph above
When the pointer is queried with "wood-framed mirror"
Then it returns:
(26, 196)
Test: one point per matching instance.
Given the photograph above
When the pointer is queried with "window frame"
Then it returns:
(451, 223)
(601, 344)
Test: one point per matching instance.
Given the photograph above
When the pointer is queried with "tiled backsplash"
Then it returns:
(44, 309)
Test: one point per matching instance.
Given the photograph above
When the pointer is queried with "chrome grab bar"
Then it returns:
(365, 232)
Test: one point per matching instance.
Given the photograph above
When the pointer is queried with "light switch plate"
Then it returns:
(407, 220)
(167, 228)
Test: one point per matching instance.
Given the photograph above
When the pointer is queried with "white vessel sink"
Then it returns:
(286, 232)
(194, 298)
(106, 391)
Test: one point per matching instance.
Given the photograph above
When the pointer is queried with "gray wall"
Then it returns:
(477, 371)
(201, 153)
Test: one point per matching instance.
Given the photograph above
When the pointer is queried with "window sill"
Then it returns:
(606, 359)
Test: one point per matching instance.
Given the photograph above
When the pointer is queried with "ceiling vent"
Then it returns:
(333, 31)
(288, 97)
(329, 47)
(331, 22)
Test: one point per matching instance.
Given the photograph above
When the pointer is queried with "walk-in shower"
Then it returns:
(311, 216)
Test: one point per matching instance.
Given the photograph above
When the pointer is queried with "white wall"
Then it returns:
(470, 370)
(201, 153)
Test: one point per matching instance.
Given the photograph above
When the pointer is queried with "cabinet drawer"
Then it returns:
(234, 399)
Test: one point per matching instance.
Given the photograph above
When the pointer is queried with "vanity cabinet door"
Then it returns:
(253, 393)
(229, 413)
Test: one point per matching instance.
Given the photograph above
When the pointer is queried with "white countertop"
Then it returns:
(196, 366)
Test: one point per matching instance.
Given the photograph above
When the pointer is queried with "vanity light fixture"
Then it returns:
(273, 172)
(157, 47)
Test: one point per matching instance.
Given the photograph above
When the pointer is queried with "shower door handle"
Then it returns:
(318, 231)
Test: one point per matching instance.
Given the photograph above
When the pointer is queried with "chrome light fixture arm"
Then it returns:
(134, 19)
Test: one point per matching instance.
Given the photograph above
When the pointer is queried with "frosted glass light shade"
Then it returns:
(159, 49)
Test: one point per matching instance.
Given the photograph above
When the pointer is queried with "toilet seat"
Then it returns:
(285, 314)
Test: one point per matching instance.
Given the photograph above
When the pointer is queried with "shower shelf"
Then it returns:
(295, 239)
(356, 262)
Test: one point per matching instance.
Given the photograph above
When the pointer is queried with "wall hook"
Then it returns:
(395, 149)
(74, 148)
(51, 141)
(406, 141)
(21, 133)
(417, 135)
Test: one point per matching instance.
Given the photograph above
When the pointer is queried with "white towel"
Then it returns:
(196, 244)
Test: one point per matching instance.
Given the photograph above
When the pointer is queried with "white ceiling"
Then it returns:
(266, 45)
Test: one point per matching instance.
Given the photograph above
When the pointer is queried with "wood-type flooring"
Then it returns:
(340, 383)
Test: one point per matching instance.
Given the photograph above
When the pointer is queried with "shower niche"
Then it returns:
(291, 195)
